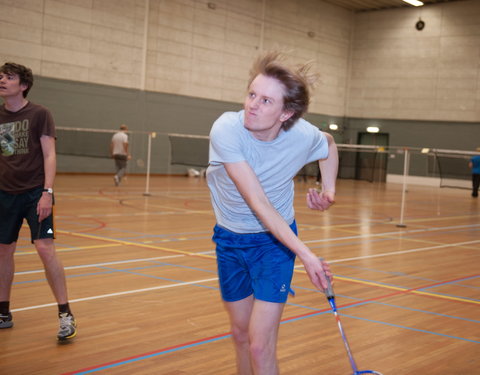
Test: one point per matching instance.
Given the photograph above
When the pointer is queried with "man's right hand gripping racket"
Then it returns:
(331, 300)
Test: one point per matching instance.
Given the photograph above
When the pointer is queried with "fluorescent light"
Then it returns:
(415, 3)
(373, 129)
(333, 127)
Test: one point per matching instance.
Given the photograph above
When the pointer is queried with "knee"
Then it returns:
(240, 335)
(45, 249)
(259, 350)
(7, 251)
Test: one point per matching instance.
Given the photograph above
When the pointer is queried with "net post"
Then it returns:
(406, 163)
(149, 153)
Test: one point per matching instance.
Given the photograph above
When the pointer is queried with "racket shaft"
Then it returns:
(345, 342)
(331, 299)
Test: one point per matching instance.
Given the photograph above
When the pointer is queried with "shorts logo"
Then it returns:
(50, 231)
(283, 289)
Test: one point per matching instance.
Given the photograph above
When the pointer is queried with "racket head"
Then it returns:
(367, 372)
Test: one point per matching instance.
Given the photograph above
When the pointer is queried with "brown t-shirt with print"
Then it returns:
(21, 156)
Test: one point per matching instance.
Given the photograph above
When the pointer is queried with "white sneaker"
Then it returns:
(68, 327)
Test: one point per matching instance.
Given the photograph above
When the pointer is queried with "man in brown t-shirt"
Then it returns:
(27, 173)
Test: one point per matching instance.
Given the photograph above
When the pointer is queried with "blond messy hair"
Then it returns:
(297, 81)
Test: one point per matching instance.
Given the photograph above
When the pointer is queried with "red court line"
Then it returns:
(316, 312)
(170, 348)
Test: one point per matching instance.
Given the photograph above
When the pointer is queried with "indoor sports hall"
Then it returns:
(399, 90)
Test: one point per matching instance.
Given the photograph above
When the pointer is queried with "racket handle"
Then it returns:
(329, 291)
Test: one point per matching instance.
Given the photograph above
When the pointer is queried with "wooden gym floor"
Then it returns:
(142, 283)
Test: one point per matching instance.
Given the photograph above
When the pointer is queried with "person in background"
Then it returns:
(474, 165)
(119, 153)
(27, 173)
(254, 157)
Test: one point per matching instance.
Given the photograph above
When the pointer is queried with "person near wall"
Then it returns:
(254, 156)
(474, 165)
(27, 173)
(119, 153)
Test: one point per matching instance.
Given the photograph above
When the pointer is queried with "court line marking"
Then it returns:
(302, 271)
(132, 291)
(65, 249)
(104, 264)
(415, 239)
(207, 340)
(399, 290)
(407, 251)
(396, 233)
(405, 290)
(152, 354)
(137, 244)
(189, 253)
(344, 278)
(414, 290)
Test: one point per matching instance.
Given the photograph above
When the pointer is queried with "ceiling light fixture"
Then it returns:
(415, 3)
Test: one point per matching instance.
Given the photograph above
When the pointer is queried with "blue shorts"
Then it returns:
(253, 263)
(16, 207)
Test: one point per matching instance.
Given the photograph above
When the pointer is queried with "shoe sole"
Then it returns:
(7, 325)
(63, 339)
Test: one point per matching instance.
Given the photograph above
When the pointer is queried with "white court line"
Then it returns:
(406, 251)
(216, 278)
(104, 264)
(119, 294)
(393, 233)
(311, 241)
(399, 252)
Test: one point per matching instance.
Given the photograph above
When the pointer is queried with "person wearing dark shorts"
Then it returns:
(254, 157)
(27, 173)
(14, 208)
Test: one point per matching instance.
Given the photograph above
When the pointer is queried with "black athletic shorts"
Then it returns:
(16, 207)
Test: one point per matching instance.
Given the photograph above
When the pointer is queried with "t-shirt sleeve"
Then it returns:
(319, 146)
(225, 140)
(46, 125)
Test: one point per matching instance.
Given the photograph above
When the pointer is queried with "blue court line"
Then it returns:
(157, 277)
(136, 234)
(341, 296)
(186, 346)
(287, 320)
(412, 329)
(425, 311)
(151, 355)
(158, 264)
(422, 289)
(393, 273)
(452, 282)
(356, 242)
(108, 270)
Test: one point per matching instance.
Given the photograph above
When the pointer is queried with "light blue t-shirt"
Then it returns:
(275, 163)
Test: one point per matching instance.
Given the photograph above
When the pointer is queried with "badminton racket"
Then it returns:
(331, 300)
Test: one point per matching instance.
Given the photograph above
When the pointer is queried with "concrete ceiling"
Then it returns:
(358, 6)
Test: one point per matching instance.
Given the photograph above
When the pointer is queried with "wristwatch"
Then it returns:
(48, 190)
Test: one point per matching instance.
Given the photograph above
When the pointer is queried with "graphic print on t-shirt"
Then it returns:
(14, 138)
